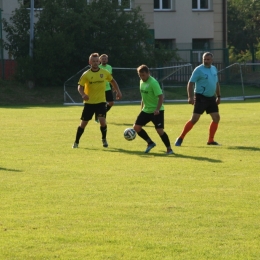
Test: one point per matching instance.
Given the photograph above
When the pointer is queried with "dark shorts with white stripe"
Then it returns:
(144, 118)
(90, 109)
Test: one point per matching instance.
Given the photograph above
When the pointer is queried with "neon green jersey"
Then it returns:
(150, 90)
(94, 83)
(109, 68)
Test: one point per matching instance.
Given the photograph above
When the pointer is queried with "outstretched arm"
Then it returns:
(116, 89)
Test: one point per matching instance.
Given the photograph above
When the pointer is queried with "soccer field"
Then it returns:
(203, 202)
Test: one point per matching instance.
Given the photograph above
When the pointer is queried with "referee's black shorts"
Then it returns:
(203, 103)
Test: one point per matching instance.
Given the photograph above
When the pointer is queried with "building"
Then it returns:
(191, 26)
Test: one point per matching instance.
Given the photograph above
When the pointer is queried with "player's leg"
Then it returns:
(87, 114)
(110, 103)
(142, 119)
(109, 99)
(214, 113)
(187, 127)
(101, 111)
(158, 121)
(198, 110)
(96, 118)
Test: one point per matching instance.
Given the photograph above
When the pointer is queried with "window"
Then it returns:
(37, 3)
(126, 4)
(199, 46)
(163, 4)
(200, 4)
(167, 44)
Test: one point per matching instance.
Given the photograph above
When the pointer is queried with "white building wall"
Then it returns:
(147, 11)
(183, 24)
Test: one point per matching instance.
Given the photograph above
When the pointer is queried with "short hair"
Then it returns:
(103, 55)
(208, 54)
(143, 68)
(95, 54)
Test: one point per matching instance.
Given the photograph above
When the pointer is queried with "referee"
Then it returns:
(205, 97)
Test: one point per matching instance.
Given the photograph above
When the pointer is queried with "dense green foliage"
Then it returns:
(67, 31)
(243, 28)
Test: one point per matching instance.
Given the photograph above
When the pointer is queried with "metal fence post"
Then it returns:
(242, 80)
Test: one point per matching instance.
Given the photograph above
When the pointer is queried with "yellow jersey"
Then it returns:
(94, 83)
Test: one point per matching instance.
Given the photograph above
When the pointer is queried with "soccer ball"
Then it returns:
(129, 134)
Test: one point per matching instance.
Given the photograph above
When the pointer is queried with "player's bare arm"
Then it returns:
(81, 92)
(218, 93)
(160, 102)
(190, 91)
(116, 88)
(142, 104)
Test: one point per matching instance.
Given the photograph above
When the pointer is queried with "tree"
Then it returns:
(17, 33)
(243, 25)
(68, 31)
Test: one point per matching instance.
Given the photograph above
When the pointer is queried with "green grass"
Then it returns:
(119, 203)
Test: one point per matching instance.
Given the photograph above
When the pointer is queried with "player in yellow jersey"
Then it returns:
(91, 87)
(109, 94)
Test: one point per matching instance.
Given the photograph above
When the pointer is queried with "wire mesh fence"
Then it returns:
(128, 81)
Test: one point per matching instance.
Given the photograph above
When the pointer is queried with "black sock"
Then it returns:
(165, 140)
(103, 130)
(145, 136)
(108, 108)
(80, 131)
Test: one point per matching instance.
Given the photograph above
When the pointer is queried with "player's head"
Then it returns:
(143, 72)
(103, 59)
(207, 58)
(94, 60)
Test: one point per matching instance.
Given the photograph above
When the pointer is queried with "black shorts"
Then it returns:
(109, 96)
(90, 109)
(144, 118)
(202, 104)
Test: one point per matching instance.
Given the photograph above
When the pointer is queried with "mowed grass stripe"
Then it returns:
(119, 203)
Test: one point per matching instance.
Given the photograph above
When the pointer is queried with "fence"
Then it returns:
(238, 82)
(128, 81)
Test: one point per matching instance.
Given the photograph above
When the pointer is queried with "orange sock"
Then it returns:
(188, 126)
(212, 130)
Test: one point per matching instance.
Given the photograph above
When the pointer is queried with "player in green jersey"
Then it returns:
(152, 109)
(91, 87)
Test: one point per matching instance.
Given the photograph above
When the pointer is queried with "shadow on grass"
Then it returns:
(9, 170)
(152, 154)
(129, 125)
(247, 148)
(32, 106)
